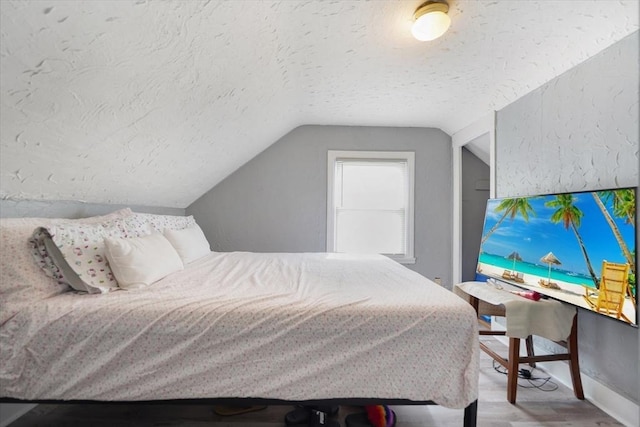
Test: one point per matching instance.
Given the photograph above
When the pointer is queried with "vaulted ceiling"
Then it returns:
(155, 102)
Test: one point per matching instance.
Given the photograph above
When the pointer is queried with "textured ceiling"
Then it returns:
(154, 102)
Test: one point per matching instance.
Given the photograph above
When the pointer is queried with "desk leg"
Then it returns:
(475, 303)
(512, 369)
(530, 352)
(572, 349)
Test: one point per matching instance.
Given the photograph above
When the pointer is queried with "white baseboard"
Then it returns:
(614, 404)
(9, 412)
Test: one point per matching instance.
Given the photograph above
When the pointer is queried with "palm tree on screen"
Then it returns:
(570, 216)
(624, 205)
(621, 211)
(511, 208)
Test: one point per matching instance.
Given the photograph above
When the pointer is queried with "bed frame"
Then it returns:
(470, 412)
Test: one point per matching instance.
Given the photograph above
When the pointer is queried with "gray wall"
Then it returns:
(277, 202)
(580, 132)
(70, 209)
(475, 192)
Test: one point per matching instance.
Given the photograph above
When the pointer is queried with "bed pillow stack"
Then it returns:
(124, 250)
(22, 280)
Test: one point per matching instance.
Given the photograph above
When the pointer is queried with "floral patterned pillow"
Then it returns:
(77, 257)
(140, 224)
(82, 247)
(50, 258)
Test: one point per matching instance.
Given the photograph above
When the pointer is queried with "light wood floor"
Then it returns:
(533, 408)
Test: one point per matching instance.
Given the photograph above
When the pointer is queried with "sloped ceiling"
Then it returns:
(155, 102)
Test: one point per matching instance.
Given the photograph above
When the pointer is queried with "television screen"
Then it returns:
(575, 247)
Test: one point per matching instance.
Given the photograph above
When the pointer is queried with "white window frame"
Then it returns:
(409, 157)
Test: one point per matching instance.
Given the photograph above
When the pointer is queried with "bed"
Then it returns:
(304, 327)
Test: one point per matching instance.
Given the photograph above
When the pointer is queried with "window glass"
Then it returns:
(370, 206)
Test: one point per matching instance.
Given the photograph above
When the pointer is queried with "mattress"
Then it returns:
(275, 326)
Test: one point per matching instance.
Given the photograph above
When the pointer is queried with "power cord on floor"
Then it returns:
(526, 374)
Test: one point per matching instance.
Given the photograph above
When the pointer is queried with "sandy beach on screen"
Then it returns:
(569, 292)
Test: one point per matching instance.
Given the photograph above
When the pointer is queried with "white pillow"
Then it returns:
(140, 261)
(190, 242)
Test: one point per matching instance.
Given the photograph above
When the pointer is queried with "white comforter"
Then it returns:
(281, 326)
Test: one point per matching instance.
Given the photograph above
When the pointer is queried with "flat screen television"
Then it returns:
(577, 247)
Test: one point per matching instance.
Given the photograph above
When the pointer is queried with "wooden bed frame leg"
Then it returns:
(471, 414)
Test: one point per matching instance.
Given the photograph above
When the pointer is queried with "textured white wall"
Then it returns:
(580, 132)
(577, 132)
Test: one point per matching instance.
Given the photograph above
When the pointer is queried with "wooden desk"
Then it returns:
(512, 362)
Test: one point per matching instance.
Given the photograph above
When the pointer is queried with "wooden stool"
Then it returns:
(514, 359)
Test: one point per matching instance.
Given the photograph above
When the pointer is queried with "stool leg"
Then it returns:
(512, 369)
(529, 342)
(572, 349)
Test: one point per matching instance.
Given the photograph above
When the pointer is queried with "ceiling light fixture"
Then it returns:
(431, 22)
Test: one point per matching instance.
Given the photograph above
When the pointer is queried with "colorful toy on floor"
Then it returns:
(375, 416)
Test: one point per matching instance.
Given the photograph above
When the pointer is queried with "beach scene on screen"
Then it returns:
(566, 246)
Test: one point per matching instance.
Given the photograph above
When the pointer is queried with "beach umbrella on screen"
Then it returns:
(515, 256)
(550, 258)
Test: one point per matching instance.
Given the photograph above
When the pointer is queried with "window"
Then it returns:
(370, 203)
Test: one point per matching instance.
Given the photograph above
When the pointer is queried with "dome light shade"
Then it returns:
(431, 22)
